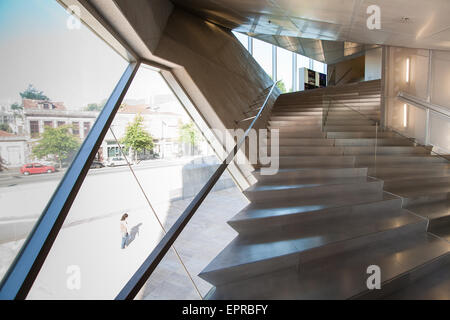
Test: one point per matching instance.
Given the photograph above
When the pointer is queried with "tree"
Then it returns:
(281, 86)
(189, 134)
(56, 142)
(5, 127)
(136, 137)
(94, 107)
(16, 107)
(32, 93)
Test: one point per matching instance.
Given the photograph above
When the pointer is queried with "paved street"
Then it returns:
(90, 237)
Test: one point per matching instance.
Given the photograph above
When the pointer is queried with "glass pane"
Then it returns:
(52, 80)
(151, 164)
(200, 242)
(318, 66)
(242, 38)
(262, 52)
(284, 68)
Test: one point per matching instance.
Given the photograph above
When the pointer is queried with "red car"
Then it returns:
(33, 168)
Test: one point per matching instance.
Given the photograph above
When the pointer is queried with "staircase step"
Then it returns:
(373, 142)
(247, 257)
(388, 160)
(349, 128)
(316, 162)
(312, 188)
(384, 150)
(282, 142)
(417, 182)
(342, 276)
(300, 134)
(284, 216)
(434, 285)
(438, 213)
(296, 123)
(360, 135)
(304, 128)
(310, 150)
(349, 122)
(293, 174)
(411, 170)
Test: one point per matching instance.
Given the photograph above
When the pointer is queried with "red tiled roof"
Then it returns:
(33, 104)
(6, 134)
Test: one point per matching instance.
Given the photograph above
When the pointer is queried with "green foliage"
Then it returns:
(16, 107)
(136, 137)
(5, 127)
(189, 134)
(281, 86)
(32, 93)
(57, 142)
(94, 107)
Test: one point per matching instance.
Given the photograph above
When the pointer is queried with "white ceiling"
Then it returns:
(332, 20)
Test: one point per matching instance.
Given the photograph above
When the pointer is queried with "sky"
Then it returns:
(73, 66)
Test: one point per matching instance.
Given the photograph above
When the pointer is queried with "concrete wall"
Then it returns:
(220, 77)
(372, 64)
(346, 71)
(428, 83)
(215, 71)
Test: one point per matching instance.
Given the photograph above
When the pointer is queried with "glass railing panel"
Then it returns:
(439, 133)
(54, 94)
(203, 238)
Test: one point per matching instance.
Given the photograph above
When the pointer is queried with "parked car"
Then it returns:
(33, 168)
(116, 162)
(97, 164)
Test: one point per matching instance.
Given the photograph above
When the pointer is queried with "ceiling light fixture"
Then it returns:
(408, 62)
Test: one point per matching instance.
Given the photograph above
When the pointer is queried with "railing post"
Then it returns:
(427, 128)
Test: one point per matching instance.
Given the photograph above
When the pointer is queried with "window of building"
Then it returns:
(61, 123)
(262, 52)
(76, 128)
(89, 76)
(86, 128)
(34, 128)
(243, 39)
(48, 124)
(284, 69)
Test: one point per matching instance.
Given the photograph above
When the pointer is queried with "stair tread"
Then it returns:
(432, 210)
(343, 275)
(299, 183)
(244, 250)
(283, 208)
(434, 286)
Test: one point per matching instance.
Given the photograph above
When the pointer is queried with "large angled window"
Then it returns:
(57, 74)
(262, 52)
(151, 164)
(284, 69)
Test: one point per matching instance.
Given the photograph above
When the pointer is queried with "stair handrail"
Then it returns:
(137, 281)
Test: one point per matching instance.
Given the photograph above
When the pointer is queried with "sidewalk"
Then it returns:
(94, 247)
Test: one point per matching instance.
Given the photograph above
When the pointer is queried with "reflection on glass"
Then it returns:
(262, 52)
(284, 69)
(51, 98)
